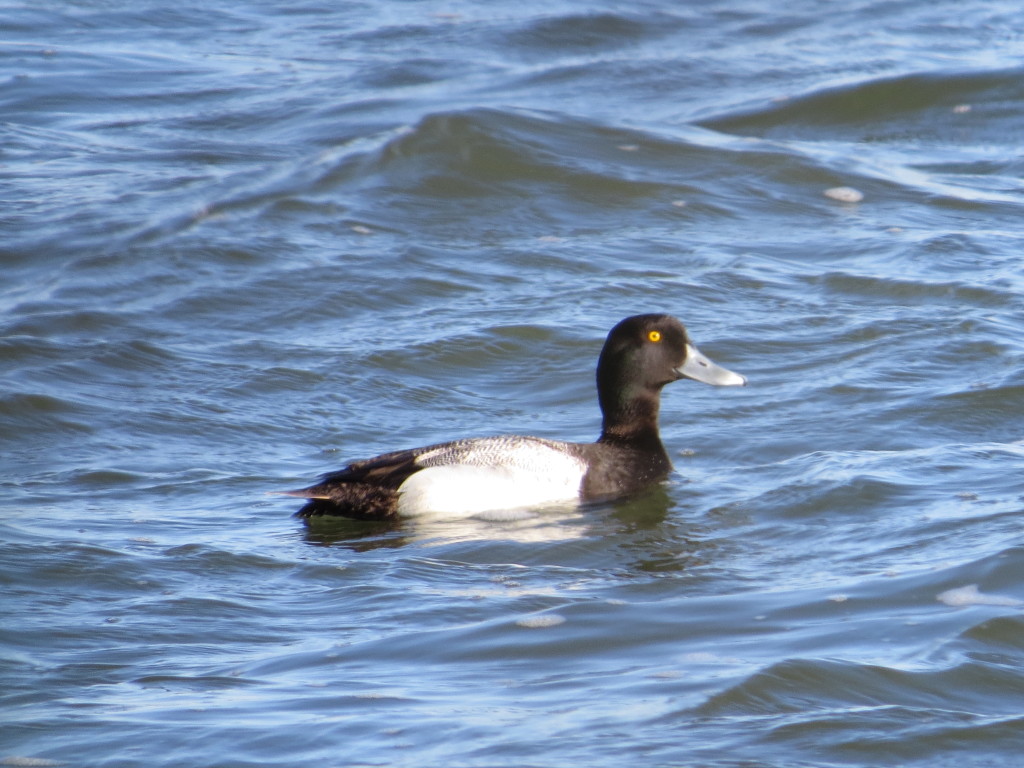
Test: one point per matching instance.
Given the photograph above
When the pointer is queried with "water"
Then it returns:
(244, 244)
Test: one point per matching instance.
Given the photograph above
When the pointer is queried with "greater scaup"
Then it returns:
(463, 477)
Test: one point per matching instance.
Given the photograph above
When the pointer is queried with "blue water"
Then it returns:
(244, 244)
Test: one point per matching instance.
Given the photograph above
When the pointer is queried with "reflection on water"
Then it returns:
(522, 526)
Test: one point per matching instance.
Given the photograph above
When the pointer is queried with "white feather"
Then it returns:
(546, 476)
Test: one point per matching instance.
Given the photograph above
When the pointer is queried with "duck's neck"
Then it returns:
(632, 420)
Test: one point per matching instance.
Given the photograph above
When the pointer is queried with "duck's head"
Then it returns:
(641, 355)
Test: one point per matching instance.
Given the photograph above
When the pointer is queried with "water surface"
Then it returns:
(245, 245)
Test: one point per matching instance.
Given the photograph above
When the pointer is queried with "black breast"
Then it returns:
(620, 470)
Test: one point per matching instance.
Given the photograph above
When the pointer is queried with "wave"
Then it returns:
(939, 106)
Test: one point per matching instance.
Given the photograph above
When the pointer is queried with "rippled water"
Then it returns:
(244, 244)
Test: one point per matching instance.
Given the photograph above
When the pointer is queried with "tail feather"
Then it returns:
(304, 493)
(361, 501)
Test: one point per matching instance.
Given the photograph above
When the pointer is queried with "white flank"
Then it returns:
(463, 490)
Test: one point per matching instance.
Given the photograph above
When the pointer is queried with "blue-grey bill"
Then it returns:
(700, 368)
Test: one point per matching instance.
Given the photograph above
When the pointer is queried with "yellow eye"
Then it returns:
(654, 336)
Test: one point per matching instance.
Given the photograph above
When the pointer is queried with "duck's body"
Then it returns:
(465, 477)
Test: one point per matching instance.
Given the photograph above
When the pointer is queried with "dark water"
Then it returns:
(245, 243)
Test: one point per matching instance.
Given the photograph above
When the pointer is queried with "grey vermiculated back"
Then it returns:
(526, 453)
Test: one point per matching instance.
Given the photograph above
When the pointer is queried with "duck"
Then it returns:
(478, 475)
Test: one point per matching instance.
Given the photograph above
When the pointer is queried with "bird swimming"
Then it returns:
(464, 477)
